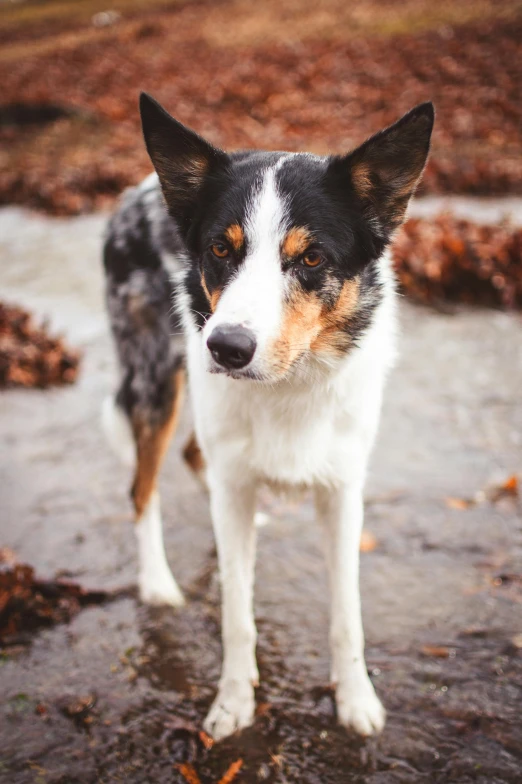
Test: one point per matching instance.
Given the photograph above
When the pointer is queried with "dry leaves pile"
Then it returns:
(29, 357)
(449, 259)
(313, 94)
(28, 603)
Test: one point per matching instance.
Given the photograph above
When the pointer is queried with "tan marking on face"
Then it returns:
(152, 441)
(333, 338)
(235, 236)
(309, 325)
(301, 325)
(204, 287)
(296, 241)
(213, 298)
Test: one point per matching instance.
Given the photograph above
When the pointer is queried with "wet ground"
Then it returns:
(119, 693)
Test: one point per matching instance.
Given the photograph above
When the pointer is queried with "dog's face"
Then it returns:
(284, 246)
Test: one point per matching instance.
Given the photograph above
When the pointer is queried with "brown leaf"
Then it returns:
(459, 503)
(189, 773)
(507, 489)
(368, 542)
(510, 486)
(29, 357)
(231, 773)
(206, 740)
(437, 651)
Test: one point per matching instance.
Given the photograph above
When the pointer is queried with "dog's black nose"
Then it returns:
(232, 346)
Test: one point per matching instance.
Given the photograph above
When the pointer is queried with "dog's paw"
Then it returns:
(359, 708)
(233, 709)
(159, 589)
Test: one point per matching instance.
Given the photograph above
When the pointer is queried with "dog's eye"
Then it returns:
(312, 259)
(219, 250)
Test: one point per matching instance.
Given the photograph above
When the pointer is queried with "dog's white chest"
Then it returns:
(285, 436)
(292, 443)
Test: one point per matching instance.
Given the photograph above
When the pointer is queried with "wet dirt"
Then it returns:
(119, 693)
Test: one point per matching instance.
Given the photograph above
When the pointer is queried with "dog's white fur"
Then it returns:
(312, 429)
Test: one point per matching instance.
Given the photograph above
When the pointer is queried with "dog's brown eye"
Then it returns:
(312, 259)
(219, 250)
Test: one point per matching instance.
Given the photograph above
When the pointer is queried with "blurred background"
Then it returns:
(295, 75)
(101, 689)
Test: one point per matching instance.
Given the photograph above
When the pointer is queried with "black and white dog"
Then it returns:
(278, 268)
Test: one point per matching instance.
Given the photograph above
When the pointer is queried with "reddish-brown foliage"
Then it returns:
(323, 95)
(449, 259)
(29, 357)
(28, 603)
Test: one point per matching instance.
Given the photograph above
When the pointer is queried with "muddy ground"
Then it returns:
(119, 694)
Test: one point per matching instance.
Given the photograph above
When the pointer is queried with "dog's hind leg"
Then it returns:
(156, 583)
(140, 436)
(142, 418)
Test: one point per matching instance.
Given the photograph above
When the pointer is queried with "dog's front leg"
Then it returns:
(341, 513)
(233, 519)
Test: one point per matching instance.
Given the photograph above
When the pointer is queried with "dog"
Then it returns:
(265, 277)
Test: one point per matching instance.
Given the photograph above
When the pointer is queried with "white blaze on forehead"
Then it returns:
(255, 296)
(264, 225)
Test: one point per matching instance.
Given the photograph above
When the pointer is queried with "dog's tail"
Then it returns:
(118, 432)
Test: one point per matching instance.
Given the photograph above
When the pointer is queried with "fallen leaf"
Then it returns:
(206, 740)
(511, 485)
(231, 773)
(189, 773)
(459, 503)
(507, 489)
(368, 542)
(437, 651)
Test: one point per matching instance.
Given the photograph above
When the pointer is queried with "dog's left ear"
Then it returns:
(386, 169)
(182, 159)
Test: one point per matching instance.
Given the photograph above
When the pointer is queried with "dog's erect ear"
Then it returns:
(386, 169)
(181, 158)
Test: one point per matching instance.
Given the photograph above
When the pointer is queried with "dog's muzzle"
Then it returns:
(232, 346)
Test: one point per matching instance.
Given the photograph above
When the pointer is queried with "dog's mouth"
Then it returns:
(269, 376)
(245, 374)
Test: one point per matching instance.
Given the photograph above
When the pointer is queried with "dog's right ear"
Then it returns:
(181, 158)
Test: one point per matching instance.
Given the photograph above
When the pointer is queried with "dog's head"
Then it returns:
(284, 246)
